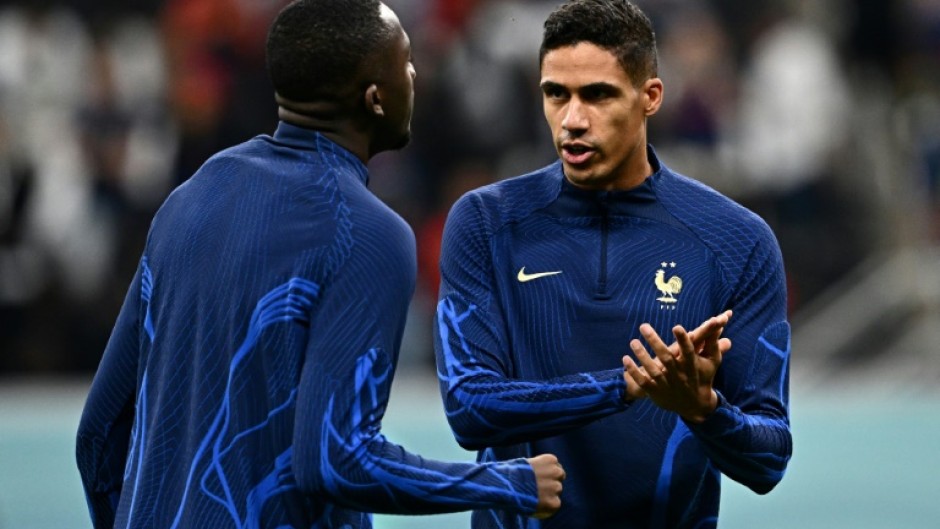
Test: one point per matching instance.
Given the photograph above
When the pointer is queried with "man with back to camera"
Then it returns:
(546, 276)
(247, 374)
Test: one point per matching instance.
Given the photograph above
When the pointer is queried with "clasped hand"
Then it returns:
(678, 377)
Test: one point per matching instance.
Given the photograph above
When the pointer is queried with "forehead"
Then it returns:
(582, 64)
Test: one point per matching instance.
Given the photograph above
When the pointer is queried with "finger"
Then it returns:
(640, 376)
(652, 367)
(664, 353)
(683, 339)
(652, 338)
(668, 358)
(634, 390)
(706, 329)
(684, 342)
(723, 345)
(632, 370)
(722, 319)
(715, 324)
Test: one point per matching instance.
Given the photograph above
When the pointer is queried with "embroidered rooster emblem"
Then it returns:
(669, 288)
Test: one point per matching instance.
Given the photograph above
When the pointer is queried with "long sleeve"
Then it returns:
(339, 451)
(748, 436)
(105, 429)
(486, 405)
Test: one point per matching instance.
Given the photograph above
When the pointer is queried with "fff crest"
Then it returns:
(669, 288)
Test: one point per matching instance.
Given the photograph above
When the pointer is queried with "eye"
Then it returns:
(553, 91)
(596, 93)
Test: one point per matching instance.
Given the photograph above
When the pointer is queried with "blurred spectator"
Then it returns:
(793, 114)
(919, 106)
(700, 73)
(71, 138)
(480, 108)
(56, 246)
(218, 86)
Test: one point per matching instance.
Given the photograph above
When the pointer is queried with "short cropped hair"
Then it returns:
(617, 26)
(316, 48)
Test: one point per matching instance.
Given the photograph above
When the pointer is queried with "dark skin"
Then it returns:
(374, 115)
(350, 125)
(330, 118)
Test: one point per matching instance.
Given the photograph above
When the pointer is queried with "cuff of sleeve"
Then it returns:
(719, 422)
(526, 498)
(613, 381)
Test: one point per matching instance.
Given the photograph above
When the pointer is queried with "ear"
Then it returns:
(373, 100)
(652, 95)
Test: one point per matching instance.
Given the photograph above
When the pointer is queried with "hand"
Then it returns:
(548, 477)
(681, 375)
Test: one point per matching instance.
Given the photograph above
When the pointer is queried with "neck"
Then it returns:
(330, 119)
(637, 170)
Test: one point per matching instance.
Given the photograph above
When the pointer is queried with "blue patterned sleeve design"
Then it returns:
(105, 429)
(408, 483)
(748, 437)
(339, 450)
(289, 302)
(486, 405)
(344, 457)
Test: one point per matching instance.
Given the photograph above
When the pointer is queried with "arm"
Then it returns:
(740, 412)
(105, 428)
(485, 405)
(339, 451)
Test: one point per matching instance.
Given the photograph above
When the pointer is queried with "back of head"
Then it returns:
(618, 26)
(316, 49)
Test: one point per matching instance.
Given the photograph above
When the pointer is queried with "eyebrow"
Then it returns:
(598, 84)
(601, 86)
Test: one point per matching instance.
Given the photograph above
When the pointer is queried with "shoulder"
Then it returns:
(496, 205)
(249, 152)
(732, 232)
(706, 211)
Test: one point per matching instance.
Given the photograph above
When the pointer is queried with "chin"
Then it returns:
(579, 176)
(402, 141)
(586, 178)
(392, 143)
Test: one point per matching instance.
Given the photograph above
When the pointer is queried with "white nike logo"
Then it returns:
(523, 277)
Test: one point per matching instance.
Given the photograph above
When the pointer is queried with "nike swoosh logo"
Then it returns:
(524, 277)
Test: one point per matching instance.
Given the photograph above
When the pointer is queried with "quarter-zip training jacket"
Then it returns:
(247, 374)
(543, 285)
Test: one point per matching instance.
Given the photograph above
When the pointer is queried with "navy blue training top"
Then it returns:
(543, 286)
(247, 374)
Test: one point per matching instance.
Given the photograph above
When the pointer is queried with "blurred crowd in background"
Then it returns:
(823, 117)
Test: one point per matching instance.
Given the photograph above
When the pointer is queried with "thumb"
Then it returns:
(715, 349)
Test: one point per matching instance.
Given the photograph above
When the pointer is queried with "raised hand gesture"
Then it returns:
(680, 376)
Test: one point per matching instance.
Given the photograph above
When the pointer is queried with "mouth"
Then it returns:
(576, 153)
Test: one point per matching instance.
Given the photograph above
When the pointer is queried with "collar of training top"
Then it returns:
(311, 140)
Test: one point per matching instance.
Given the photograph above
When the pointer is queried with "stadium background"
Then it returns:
(824, 117)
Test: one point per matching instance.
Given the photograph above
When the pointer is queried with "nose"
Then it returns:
(575, 119)
(412, 71)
